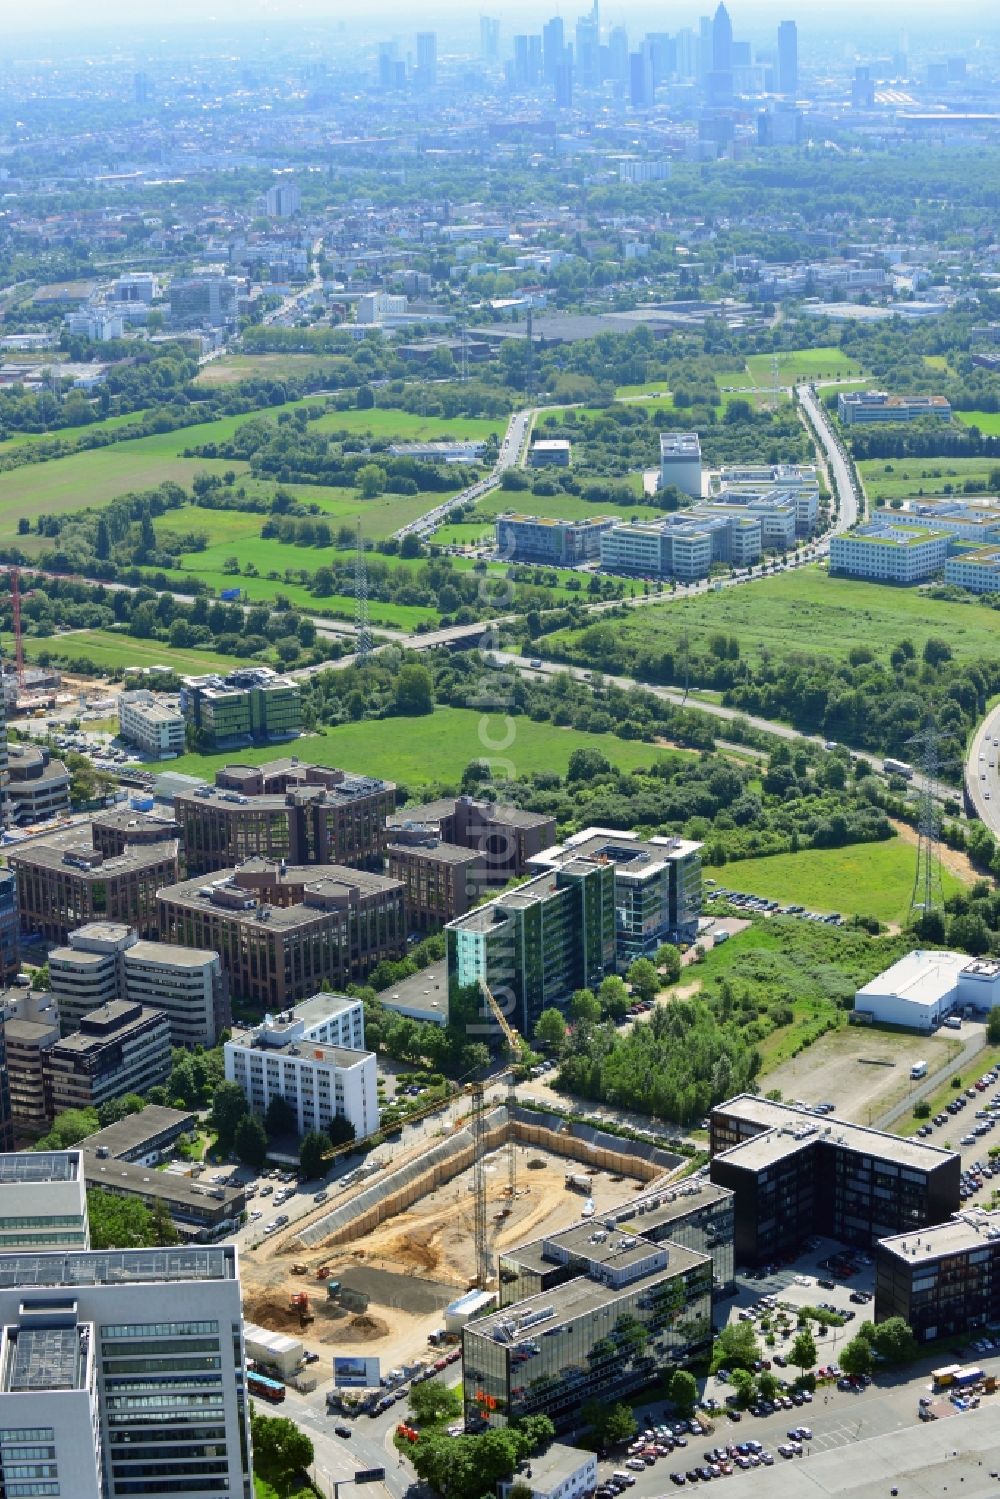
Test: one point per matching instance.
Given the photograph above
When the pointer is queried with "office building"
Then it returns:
(633, 170)
(722, 41)
(31, 1029)
(4, 805)
(888, 553)
(186, 984)
(489, 38)
(787, 483)
(211, 301)
(123, 1374)
(794, 1174)
(282, 931)
(657, 885)
(587, 60)
(943, 1281)
(373, 307)
(43, 1203)
(977, 521)
(440, 880)
(63, 882)
(285, 809)
(640, 78)
(426, 74)
(89, 971)
(555, 543)
(147, 720)
(680, 462)
(788, 59)
(684, 545)
(553, 48)
(282, 200)
(694, 1213)
(559, 1473)
(628, 1308)
(550, 452)
(859, 407)
(37, 785)
(506, 837)
(120, 1048)
(120, 828)
(10, 951)
(534, 945)
(978, 571)
(249, 706)
(923, 988)
(776, 514)
(314, 1057)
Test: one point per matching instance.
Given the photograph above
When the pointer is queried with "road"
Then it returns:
(982, 782)
(837, 463)
(511, 449)
(973, 1043)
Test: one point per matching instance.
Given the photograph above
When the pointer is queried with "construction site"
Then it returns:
(373, 1273)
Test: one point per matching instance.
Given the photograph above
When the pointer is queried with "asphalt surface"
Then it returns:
(982, 777)
(511, 450)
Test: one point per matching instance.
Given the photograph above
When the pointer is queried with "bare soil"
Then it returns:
(863, 1072)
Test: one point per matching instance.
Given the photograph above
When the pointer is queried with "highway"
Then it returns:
(982, 782)
(511, 451)
(837, 463)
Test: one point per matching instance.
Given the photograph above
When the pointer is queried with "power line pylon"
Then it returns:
(362, 622)
(928, 887)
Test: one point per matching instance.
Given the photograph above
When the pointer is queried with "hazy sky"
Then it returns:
(43, 14)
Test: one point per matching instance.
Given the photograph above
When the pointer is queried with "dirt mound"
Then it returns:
(273, 1312)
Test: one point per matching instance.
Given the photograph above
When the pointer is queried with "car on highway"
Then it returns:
(342, 1431)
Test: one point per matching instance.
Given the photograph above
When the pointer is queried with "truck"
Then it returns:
(898, 768)
(971, 1374)
(919, 1069)
(945, 1375)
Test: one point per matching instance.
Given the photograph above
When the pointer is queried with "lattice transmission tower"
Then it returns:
(928, 887)
(362, 622)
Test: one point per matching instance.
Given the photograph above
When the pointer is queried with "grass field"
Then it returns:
(988, 422)
(802, 364)
(806, 610)
(864, 879)
(111, 651)
(235, 367)
(906, 478)
(408, 426)
(440, 746)
(652, 390)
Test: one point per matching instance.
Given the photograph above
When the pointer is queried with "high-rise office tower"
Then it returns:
(534, 60)
(788, 59)
(704, 47)
(387, 65)
(4, 805)
(588, 49)
(687, 53)
(142, 88)
(722, 41)
(427, 45)
(641, 78)
(564, 80)
(553, 47)
(521, 60)
(618, 65)
(123, 1374)
(489, 37)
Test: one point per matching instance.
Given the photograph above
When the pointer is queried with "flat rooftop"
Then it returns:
(169, 952)
(431, 847)
(921, 977)
(45, 1358)
(577, 1298)
(631, 855)
(18, 1167)
(110, 1267)
(149, 1127)
(785, 1128)
(57, 851)
(168, 1187)
(425, 991)
(973, 1228)
(680, 445)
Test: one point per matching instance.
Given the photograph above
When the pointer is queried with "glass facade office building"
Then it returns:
(629, 1310)
(945, 1282)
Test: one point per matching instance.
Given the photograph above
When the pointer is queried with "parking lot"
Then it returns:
(966, 1123)
(745, 902)
(836, 1415)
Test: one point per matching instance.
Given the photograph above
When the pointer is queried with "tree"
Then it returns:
(613, 996)
(936, 650)
(414, 691)
(585, 1006)
(620, 1424)
(536, 1431)
(281, 1118)
(371, 480)
(993, 1027)
(550, 1029)
(250, 1141)
(768, 1385)
(643, 977)
(894, 1340)
(683, 1390)
(164, 1227)
(341, 1130)
(432, 1401)
(281, 1451)
(228, 1107)
(856, 1357)
(69, 1127)
(119, 1222)
(736, 1347)
(312, 1155)
(742, 1382)
(668, 959)
(803, 1350)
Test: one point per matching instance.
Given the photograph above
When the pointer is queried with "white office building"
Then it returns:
(89, 971)
(923, 988)
(105, 961)
(187, 983)
(889, 553)
(314, 1057)
(560, 1473)
(148, 721)
(122, 1373)
(680, 462)
(978, 571)
(375, 306)
(43, 1201)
